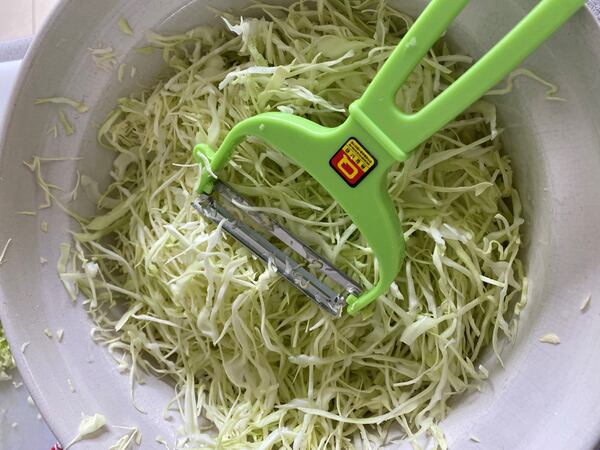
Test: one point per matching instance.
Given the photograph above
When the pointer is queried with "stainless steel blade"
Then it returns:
(235, 224)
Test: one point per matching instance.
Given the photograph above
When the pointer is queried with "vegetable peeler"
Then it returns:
(352, 160)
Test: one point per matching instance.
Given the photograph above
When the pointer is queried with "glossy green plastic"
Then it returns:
(384, 131)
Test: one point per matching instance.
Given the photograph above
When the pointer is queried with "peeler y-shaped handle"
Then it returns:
(352, 160)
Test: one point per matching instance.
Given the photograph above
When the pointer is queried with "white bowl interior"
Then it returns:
(545, 397)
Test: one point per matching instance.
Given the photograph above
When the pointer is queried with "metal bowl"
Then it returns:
(545, 397)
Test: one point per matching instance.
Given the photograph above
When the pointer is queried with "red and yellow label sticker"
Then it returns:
(352, 162)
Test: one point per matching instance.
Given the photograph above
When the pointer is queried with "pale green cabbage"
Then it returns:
(125, 27)
(7, 362)
(256, 364)
(87, 427)
(6, 359)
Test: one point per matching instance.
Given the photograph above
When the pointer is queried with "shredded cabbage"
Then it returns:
(132, 438)
(4, 251)
(550, 92)
(125, 27)
(550, 338)
(121, 72)
(586, 303)
(87, 427)
(7, 362)
(67, 127)
(78, 106)
(53, 131)
(104, 58)
(255, 364)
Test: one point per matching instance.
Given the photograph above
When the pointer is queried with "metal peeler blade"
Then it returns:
(227, 206)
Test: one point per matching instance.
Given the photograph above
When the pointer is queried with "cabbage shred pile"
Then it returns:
(256, 364)
(6, 359)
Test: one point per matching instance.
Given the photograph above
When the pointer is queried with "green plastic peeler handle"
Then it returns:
(352, 160)
(405, 132)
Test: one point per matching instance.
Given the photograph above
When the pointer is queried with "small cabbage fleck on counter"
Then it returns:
(550, 338)
(133, 437)
(87, 427)
(586, 303)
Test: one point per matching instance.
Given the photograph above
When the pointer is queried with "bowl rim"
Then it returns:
(27, 63)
